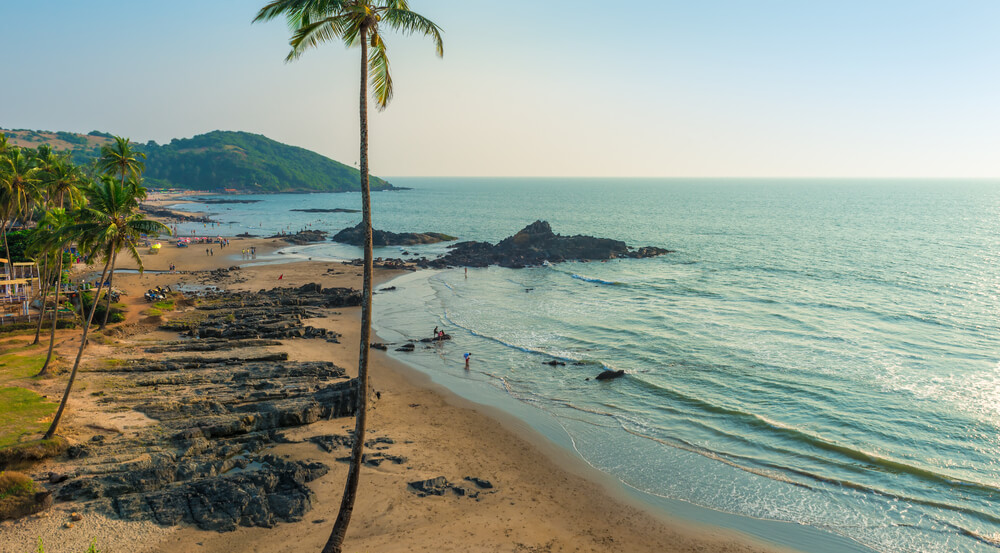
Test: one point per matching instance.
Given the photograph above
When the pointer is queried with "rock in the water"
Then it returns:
(302, 237)
(355, 236)
(534, 245)
(610, 375)
(405, 347)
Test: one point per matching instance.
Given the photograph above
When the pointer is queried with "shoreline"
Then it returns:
(570, 506)
(770, 533)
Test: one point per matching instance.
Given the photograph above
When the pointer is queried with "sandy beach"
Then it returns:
(543, 498)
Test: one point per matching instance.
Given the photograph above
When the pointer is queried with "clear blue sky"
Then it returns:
(761, 88)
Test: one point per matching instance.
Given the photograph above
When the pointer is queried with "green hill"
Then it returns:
(215, 161)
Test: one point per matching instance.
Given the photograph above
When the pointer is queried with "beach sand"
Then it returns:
(544, 498)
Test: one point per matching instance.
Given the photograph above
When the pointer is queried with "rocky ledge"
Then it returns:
(534, 245)
(355, 236)
(217, 406)
(302, 237)
(173, 215)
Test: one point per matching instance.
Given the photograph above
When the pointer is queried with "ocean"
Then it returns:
(818, 358)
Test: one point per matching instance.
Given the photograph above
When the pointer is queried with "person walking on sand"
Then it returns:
(467, 356)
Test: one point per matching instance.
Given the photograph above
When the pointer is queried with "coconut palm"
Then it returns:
(50, 237)
(119, 158)
(19, 178)
(355, 23)
(59, 177)
(110, 222)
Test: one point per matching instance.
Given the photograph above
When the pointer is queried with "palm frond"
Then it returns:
(315, 33)
(405, 21)
(378, 69)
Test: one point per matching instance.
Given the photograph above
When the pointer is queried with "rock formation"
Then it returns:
(355, 236)
(534, 245)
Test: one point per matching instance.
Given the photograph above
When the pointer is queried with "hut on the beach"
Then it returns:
(19, 284)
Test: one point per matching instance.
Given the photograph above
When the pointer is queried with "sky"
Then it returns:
(647, 88)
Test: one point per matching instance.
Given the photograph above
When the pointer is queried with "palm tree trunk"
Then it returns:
(44, 282)
(107, 304)
(336, 540)
(55, 319)
(79, 355)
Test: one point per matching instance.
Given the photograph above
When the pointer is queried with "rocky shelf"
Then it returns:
(302, 237)
(355, 236)
(334, 210)
(536, 244)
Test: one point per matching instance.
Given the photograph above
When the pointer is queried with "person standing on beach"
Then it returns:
(467, 356)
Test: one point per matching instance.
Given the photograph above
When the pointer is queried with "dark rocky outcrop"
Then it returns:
(302, 237)
(334, 210)
(536, 244)
(355, 236)
(441, 486)
(610, 375)
(173, 215)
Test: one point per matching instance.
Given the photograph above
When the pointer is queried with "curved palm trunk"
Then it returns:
(107, 304)
(336, 540)
(79, 355)
(43, 280)
(55, 319)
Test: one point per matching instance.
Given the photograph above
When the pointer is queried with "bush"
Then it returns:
(18, 496)
(46, 324)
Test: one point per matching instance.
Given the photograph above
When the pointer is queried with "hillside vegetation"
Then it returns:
(215, 161)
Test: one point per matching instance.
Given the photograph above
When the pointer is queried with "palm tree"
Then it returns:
(19, 179)
(118, 158)
(355, 23)
(50, 238)
(109, 223)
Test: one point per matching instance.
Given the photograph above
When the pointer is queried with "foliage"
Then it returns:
(242, 161)
(17, 495)
(18, 327)
(18, 241)
(92, 549)
(117, 314)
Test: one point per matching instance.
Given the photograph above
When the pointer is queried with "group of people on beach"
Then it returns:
(250, 253)
(439, 337)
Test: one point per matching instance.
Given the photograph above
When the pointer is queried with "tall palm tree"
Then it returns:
(109, 223)
(120, 159)
(355, 23)
(19, 178)
(51, 235)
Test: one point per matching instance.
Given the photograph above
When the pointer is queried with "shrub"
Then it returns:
(19, 497)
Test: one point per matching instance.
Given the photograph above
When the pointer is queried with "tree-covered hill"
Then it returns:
(216, 161)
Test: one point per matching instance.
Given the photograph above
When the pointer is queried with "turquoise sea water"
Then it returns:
(817, 352)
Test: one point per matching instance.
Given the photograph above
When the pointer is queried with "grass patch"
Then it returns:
(18, 367)
(19, 496)
(164, 305)
(22, 412)
(152, 312)
(29, 452)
